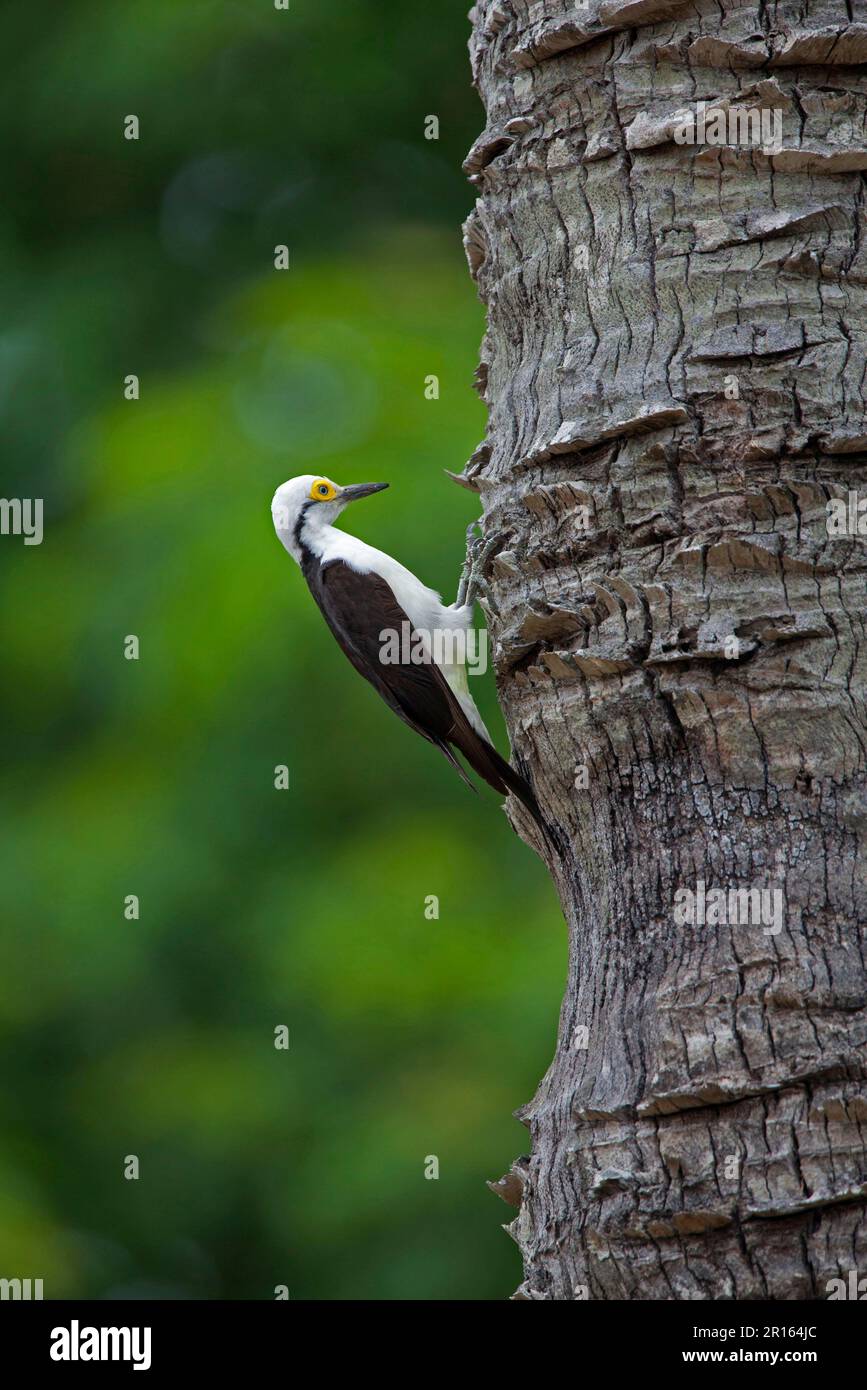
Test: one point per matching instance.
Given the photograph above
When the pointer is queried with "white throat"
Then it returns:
(315, 535)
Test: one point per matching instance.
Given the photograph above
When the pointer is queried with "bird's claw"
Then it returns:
(479, 552)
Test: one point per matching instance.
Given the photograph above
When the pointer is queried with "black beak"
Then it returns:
(352, 494)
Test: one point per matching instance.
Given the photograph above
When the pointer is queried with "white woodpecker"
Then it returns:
(364, 594)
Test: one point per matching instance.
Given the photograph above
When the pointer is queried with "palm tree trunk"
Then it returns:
(674, 368)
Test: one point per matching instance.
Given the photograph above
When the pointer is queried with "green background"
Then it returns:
(407, 1037)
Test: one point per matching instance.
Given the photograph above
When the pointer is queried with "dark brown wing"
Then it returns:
(359, 608)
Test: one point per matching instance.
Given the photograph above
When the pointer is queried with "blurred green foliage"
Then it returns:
(259, 907)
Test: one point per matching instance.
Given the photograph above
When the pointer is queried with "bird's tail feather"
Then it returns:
(484, 759)
(447, 752)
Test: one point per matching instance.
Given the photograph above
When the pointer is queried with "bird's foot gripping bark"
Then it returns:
(479, 552)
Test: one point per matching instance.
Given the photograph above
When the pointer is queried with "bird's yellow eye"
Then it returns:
(322, 490)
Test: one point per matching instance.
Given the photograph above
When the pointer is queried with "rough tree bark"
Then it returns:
(674, 367)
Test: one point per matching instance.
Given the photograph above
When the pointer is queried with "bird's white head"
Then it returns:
(303, 508)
